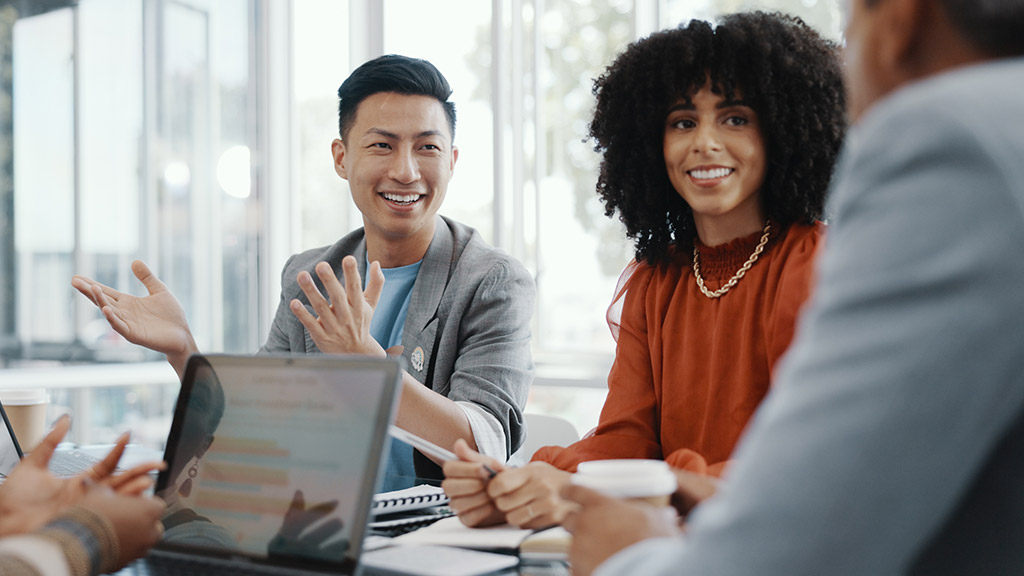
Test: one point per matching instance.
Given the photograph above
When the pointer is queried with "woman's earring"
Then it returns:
(186, 487)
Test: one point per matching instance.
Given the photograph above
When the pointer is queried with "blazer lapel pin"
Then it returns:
(417, 359)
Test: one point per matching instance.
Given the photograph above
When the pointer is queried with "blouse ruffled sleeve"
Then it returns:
(626, 428)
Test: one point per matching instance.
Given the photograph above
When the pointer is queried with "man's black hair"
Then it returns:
(392, 73)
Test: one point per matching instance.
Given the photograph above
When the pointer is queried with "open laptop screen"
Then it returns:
(276, 457)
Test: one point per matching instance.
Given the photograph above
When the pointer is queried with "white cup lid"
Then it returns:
(626, 478)
(23, 396)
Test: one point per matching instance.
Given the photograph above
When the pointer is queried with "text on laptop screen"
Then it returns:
(270, 460)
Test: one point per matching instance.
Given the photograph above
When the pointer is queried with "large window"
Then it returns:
(195, 135)
(522, 73)
(131, 134)
(131, 125)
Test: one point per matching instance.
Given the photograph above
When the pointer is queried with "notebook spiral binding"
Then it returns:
(410, 502)
(408, 522)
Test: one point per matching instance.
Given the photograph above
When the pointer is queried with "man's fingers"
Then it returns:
(467, 454)
(84, 286)
(571, 520)
(305, 317)
(98, 296)
(353, 283)
(374, 284)
(692, 489)
(146, 276)
(317, 300)
(42, 453)
(97, 293)
(582, 495)
(335, 291)
(115, 321)
(102, 297)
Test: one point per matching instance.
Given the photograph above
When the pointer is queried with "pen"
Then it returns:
(429, 447)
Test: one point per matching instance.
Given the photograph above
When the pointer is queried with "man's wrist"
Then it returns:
(178, 360)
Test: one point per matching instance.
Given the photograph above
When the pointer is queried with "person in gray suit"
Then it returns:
(893, 440)
(455, 308)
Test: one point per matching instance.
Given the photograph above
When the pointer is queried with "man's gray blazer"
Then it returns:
(467, 331)
(892, 441)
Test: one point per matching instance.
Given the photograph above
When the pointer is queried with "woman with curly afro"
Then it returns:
(718, 145)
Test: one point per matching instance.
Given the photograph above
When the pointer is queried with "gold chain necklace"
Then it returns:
(739, 273)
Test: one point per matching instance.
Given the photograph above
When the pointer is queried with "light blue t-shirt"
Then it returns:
(386, 328)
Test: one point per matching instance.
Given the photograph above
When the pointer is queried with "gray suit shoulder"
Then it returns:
(332, 254)
(477, 258)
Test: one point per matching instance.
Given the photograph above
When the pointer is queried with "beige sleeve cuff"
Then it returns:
(32, 555)
(87, 540)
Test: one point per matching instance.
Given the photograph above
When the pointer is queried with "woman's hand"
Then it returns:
(530, 496)
(465, 482)
(32, 495)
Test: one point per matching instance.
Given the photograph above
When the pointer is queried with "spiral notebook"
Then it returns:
(402, 511)
(415, 498)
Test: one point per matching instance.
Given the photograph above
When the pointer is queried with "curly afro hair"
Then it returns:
(787, 73)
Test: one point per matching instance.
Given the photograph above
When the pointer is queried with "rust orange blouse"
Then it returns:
(689, 371)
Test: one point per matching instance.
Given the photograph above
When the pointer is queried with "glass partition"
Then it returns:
(131, 129)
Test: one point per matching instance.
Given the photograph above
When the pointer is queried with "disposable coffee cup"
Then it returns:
(648, 481)
(26, 411)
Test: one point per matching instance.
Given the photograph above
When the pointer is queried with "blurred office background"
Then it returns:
(195, 135)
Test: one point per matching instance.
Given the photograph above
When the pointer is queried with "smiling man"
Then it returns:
(459, 309)
(893, 440)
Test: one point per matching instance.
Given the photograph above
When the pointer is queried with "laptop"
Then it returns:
(272, 464)
(63, 464)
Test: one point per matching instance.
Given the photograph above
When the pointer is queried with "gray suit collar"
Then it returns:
(432, 278)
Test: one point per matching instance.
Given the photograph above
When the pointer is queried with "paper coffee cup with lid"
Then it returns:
(26, 411)
(649, 481)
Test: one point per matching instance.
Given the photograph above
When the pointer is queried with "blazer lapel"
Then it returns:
(418, 335)
(432, 278)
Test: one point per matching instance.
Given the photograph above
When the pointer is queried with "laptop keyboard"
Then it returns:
(67, 463)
